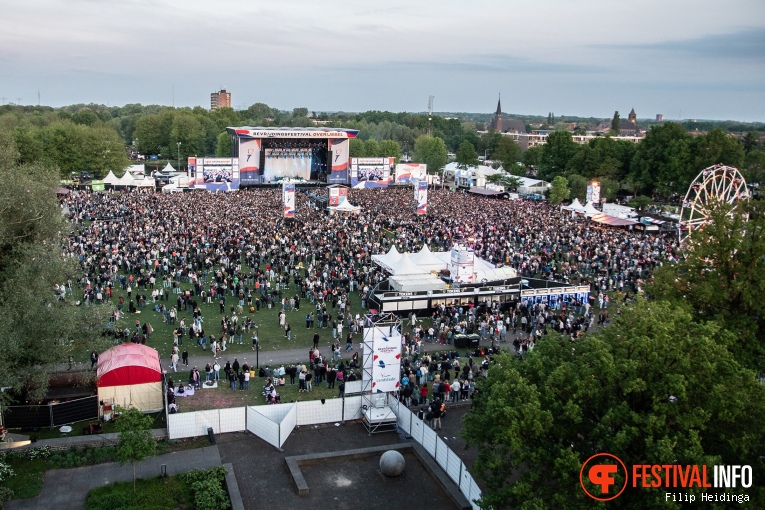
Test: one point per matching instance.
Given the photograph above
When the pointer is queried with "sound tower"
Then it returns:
(262, 163)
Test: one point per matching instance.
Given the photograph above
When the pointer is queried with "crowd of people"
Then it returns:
(174, 252)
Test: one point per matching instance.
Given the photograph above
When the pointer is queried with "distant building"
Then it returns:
(659, 117)
(501, 125)
(220, 99)
(629, 127)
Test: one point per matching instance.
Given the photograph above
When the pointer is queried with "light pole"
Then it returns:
(179, 155)
(485, 156)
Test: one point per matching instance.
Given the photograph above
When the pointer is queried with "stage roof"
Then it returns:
(487, 192)
(291, 132)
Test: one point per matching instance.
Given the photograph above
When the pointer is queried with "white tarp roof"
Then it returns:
(111, 178)
(405, 265)
(125, 180)
(495, 274)
(589, 209)
(479, 264)
(387, 260)
(346, 206)
(427, 260)
(576, 206)
(416, 283)
(168, 168)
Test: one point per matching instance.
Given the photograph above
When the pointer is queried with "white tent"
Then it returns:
(416, 283)
(126, 180)
(111, 178)
(387, 260)
(495, 274)
(168, 168)
(576, 206)
(406, 266)
(143, 181)
(427, 260)
(589, 210)
(345, 207)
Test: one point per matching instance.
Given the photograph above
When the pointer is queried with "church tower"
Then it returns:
(632, 117)
(496, 122)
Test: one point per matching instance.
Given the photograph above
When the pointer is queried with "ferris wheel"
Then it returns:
(715, 184)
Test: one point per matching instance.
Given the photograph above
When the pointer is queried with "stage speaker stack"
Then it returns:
(329, 162)
(262, 161)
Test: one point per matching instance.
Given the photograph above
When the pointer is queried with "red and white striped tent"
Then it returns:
(130, 375)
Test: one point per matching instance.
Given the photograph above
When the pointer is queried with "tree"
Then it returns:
(556, 154)
(372, 149)
(616, 124)
(510, 182)
(750, 141)
(656, 387)
(509, 153)
(559, 190)
(663, 160)
(717, 147)
(640, 202)
(390, 149)
(466, 155)
(300, 112)
(532, 158)
(223, 145)
(357, 148)
(754, 167)
(431, 151)
(136, 440)
(36, 328)
(723, 277)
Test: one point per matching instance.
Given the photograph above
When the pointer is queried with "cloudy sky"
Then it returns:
(682, 58)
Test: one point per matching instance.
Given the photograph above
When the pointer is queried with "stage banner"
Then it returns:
(422, 197)
(339, 171)
(288, 192)
(593, 193)
(215, 174)
(371, 172)
(249, 161)
(386, 359)
(337, 196)
(409, 172)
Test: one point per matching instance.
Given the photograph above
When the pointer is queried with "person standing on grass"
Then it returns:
(288, 331)
(232, 379)
(349, 342)
(185, 357)
(246, 379)
(216, 369)
(174, 361)
(241, 380)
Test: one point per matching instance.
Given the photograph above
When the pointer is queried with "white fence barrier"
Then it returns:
(438, 449)
(181, 425)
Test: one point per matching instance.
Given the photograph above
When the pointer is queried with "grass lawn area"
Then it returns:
(270, 334)
(224, 397)
(154, 494)
(108, 427)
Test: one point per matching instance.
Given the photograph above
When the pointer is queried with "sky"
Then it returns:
(684, 59)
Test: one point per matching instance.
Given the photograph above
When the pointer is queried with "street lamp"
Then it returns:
(179, 155)
(485, 156)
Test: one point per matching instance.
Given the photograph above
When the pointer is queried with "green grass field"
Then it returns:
(271, 336)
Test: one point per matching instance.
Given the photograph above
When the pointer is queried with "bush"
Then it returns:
(207, 486)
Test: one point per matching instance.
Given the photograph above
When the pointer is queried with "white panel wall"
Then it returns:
(453, 466)
(442, 452)
(262, 427)
(313, 411)
(233, 419)
(181, 425)
(352, 387)
(287, 425)
(205, 419)
(352, 408)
